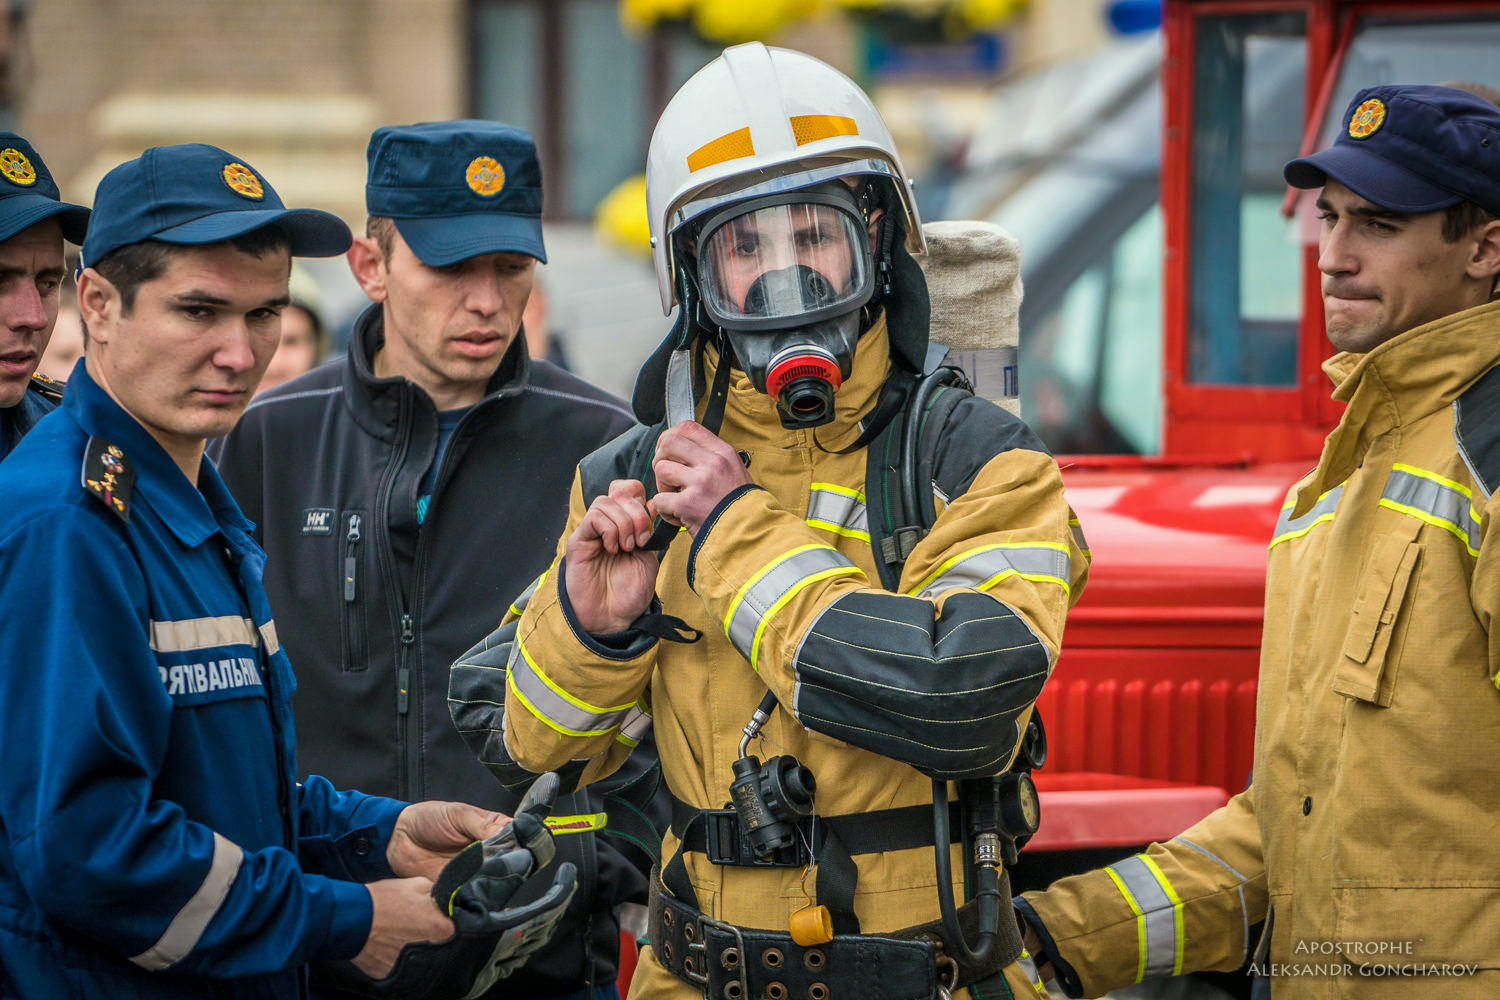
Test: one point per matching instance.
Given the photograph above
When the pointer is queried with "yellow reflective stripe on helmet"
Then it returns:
(729, 146)
(555, 707)
(838, 509)
(1158, 915)
(811, 128)
(1288, 527)
(586, 823)
(1434, 500)
(519, 604)
(982, 568)
(775, 584)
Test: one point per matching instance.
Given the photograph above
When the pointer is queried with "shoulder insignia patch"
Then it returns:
(49, 387)
(108, 475)
(1477, 428)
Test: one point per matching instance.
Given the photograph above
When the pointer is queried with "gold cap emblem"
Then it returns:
(1367, 119)
(485, 176)
(16, 167)
(242, 181)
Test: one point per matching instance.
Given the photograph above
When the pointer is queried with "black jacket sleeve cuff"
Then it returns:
(1066, 977)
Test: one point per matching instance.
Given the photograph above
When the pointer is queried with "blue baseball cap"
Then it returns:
(28, 194)
(196, 193)
(458, 189)
(1412, 149)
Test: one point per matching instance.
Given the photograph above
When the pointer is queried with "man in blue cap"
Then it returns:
(157, 841)
(1366, 842)
(404, 494)
(34, 221)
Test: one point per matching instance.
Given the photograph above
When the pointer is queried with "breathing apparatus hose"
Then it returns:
(987, 886)
(918, 501)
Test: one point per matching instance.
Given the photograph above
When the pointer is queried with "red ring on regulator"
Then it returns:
(802, 366)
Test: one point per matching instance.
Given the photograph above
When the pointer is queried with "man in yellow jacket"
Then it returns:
(1368, 842)
(783, 224)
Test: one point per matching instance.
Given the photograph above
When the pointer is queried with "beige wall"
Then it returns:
(293, 86)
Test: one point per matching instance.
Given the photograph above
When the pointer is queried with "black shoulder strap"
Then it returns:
(895, 530)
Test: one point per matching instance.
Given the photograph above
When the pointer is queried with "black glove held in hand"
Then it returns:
(490, 941)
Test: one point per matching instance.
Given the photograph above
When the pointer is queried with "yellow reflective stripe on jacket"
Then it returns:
(519, 604)
(1288, 527)
(555, 707)
(1439, 502)
(586, 823)
(189, 923)
(1158, 915)
(637, 723)
(982, 568)
(184, 635)
(1077, 528)
(770, 589)
(838, 509)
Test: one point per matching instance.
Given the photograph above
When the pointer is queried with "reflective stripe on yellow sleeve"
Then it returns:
(1158, 915)
(769, 590)
(192, 920)
(982, 568)
(555, 707)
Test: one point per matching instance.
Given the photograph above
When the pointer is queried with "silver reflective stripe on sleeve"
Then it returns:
(838, 509)
(772, 587)
(1439, 502)
(555, 707)
(1158, 915)
(192, 920)
(636, 725)
(187, 634)
(982, 568)
(1288, 527)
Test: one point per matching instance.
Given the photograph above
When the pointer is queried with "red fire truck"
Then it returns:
(1171, 342)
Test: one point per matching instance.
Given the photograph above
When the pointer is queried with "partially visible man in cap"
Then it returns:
(405, 495)
(1366, 842)
(156, 840)
(34, 221)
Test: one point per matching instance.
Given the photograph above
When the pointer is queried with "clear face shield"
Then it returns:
(785, 275)
(784, 265)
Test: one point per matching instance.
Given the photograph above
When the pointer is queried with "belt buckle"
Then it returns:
(700, 946)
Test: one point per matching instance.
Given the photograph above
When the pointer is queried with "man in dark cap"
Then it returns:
(1366, 842)
(406, 495)
(157, 841)
(33, 224)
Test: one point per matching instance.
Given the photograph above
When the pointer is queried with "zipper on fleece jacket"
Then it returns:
(354, 612)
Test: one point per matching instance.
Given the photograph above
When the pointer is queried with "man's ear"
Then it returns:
(367, 262)
(873, 224)
(1486, 260)
(99, 304)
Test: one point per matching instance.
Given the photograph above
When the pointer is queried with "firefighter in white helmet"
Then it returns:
(753, 545)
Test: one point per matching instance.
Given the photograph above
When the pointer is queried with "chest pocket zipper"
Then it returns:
(353, 608)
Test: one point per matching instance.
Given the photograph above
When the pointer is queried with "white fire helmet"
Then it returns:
(759, 121)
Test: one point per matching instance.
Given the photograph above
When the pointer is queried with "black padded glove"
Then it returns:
(489, 940)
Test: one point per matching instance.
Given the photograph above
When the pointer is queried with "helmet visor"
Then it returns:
(784, 265)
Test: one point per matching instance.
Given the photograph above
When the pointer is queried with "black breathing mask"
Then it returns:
(785, 277)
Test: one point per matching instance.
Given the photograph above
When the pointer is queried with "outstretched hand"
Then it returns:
(610, 577)
(429, 834)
